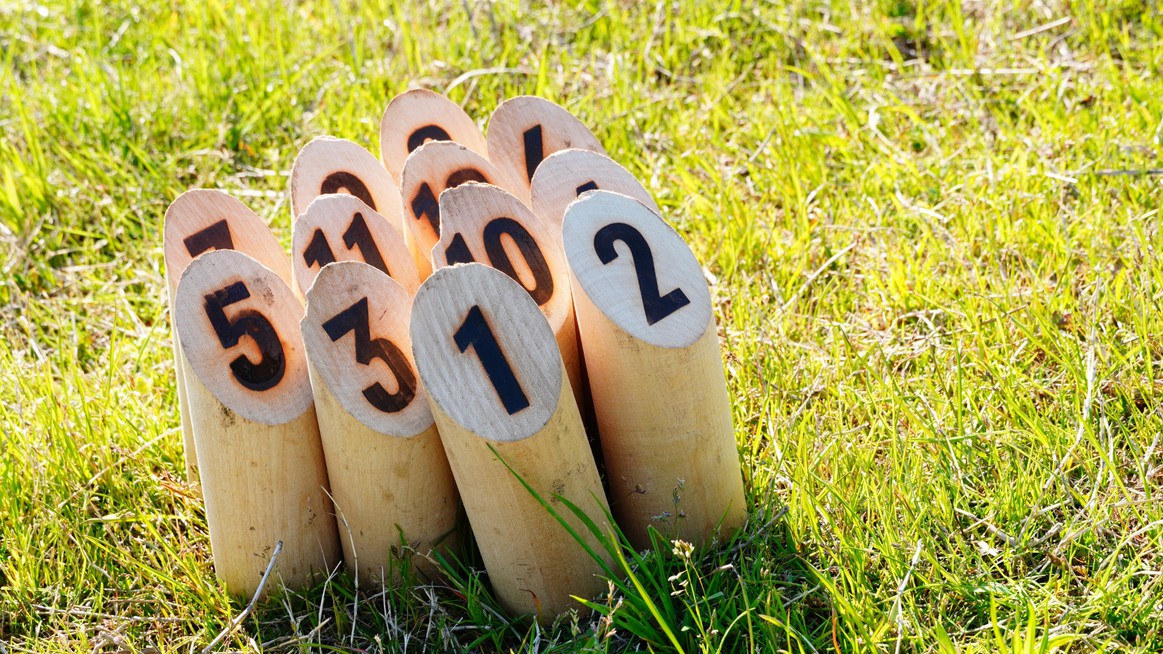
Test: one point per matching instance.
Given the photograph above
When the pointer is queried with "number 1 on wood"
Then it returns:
(475, 332)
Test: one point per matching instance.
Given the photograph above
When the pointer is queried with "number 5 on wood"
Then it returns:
(496, 383)
(656, 373)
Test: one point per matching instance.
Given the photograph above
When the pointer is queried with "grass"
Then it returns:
(934, 233)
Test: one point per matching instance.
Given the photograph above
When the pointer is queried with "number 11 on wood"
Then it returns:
(655, 370)
(497, 388)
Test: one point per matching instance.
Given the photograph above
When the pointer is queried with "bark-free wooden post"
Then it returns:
(495, 380)
(199, 221)
(566, 174)
(343, 228)
(263, 476)
(428, 172)
(389, 477)
(655, 370)
(418, 116)
(489, 225)
(329, 165)
(524, 130)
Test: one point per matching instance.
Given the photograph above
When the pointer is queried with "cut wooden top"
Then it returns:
(416, 117)
(343, 228)
(636, 269)
(566, 174)
(202, 220)
(524, 130)
(356, 335)
(331, 165)
(485, 353)
(430, 170)
(237, 324)
(486, 224)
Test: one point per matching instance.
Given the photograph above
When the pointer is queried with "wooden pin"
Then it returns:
(389, 477)
(199, 221)
(486, 224)
(524, 130)
(343, 228)
(416, 117)
(429, 171)
(495, 380)
(263, 476)
(655, 370)
(566, 174)
(329, 165)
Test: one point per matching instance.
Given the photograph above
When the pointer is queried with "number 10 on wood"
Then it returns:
(504, 408)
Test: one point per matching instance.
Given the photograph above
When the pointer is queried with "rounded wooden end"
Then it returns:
(237, 324)
(485, 353)
(416, 117)
(636, 269)
(429, 171)
(524, 130)
(330, 165)
(203, 220)
(356, 335)
(566, 174)
(343, 228)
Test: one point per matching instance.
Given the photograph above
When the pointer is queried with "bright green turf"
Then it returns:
(941, 316)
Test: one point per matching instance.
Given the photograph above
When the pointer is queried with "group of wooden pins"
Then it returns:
(411, 385)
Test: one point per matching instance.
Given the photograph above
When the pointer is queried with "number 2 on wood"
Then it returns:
(260, 376)
(656, 306)
(475, 332)
(355, 318)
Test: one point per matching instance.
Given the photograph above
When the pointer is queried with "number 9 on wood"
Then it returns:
(656, 372)
(500, 397)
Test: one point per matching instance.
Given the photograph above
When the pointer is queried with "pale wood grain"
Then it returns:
(530, 121)
(390, 479)
(429, 171)
(189, 214)
(329, 165)
(532, 561)
(659, 392)
(565, 174)
(410, 113)
(261, 460)
(334, 216)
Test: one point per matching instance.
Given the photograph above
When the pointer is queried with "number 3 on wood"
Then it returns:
(475, 332)
(657, 307)
(268, 372)
(355, 318)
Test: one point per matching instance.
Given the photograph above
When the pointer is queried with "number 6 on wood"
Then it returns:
(650, 344)
(497, 387)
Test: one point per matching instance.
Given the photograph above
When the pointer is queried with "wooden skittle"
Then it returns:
(497, 388)
(416, 117)
(343, 228)
(329, 165)
(656, 372)
(524, 130)
(486, 224)
(566, 174)
(199, 221)
(263, 476)
(389, 476)
(429, 171)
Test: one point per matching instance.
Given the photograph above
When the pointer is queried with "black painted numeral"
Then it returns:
(588, 186)
(424, 205)
(214, 237)
(657, 307)
(475, 332)
(268, 372)
(358, 235)
(318, 251)
(463, 175)
(355, 319)
(534, 150)
(542, 289)
(425, 134)
(343, 180)
(457, 251)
